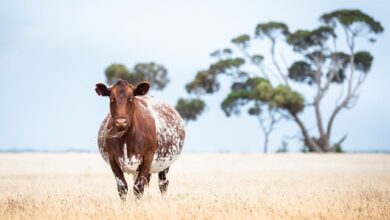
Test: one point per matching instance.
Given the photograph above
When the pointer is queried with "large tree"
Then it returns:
(154, 73)
(271, 93)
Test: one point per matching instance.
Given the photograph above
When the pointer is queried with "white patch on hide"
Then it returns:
(161, 163)
(129, 165)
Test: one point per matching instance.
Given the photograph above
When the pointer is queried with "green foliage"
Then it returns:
(227, 51)
(224, 66)
(253, 89)
(255, 110)
(233, 101)
(242, 41)
(342, 58)
(262, 91)
(259, 91)
(219, 53)
(363, 61)
(257, 59)
(254, 81)
(204, 82)
(156, 74)
(351, 19)
(257, 88)
(115, 72)
(338, 148)
(302, 40)
(271, 29)
(152, 72)
(287, 99)
(316, 56)
(216, 53)
(301, 71)
(190, 109)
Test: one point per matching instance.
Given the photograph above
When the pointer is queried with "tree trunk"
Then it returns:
(332, 117)
(310, 143)
(323, 140)
(266, 143)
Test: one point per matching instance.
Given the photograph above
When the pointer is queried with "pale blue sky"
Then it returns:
(53, 52)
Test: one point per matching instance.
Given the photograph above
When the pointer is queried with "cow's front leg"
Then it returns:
(163, 181)
(120, 179)
(143, 176)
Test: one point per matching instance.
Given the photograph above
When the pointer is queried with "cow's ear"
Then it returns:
(102, 90)
(142, 88)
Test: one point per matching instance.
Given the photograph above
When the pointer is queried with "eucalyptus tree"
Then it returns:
(270, 93)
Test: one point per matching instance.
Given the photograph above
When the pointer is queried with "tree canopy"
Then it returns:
(268, 93)
(154, 73)
(190, 109)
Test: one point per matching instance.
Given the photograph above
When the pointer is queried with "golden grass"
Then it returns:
(202, 186)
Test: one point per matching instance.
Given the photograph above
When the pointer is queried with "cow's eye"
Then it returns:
(130, 99)
(112, 100)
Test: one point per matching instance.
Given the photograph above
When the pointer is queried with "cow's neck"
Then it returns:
(130, 135)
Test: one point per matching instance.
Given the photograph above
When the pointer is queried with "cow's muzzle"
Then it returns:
(121, 124)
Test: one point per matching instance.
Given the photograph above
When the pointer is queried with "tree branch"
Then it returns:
(320, 93)
(350, 91)
(267, 130)
(248, 56)
(273, 44)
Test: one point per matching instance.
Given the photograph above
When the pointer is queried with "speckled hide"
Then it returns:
(140, 136)
(167, 130)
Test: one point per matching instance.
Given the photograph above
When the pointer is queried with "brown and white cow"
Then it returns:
(139, 136)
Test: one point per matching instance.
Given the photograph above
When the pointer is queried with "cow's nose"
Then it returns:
(121, 123)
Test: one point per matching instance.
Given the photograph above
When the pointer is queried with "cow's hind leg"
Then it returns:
(120, 179)
(163, 181)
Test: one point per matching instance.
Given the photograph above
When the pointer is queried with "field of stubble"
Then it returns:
(202, 186)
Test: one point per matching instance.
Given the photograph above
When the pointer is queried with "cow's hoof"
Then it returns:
(138, 191)
(122, 196)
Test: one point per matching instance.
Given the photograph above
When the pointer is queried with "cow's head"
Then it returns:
(121, 96)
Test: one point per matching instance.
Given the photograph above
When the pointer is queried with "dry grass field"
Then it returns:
(202, 186)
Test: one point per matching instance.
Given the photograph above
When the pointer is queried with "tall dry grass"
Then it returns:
(202, 186)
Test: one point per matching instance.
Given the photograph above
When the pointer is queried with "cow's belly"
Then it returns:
(161, 163)
(130, 165)
(162, 159)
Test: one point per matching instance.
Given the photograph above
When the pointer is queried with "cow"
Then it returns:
(140, 136)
